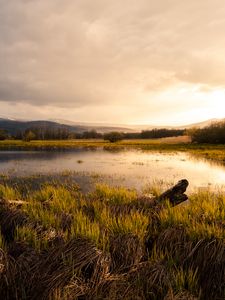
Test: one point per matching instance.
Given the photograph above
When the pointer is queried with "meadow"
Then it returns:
(112, 243)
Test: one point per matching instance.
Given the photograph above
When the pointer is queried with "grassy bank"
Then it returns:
(57, 243)
(208, 151)
(73, 144)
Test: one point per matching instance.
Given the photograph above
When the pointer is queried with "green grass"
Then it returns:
(30, 237)
(94, 245)
(8, 193)
(115, 195)
(202, 218)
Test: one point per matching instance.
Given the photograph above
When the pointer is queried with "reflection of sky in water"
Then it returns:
(137, 167)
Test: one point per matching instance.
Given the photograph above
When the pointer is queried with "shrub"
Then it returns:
(113, 136)
(29, 136)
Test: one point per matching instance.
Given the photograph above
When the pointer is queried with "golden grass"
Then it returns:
(93, 246)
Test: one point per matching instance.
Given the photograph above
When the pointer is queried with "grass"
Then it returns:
(7, 193)
(58, 243)
(208, 151)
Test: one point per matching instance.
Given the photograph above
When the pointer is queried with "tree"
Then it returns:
(3, 135)
(113, 136)
(92, 134)
(28, 136)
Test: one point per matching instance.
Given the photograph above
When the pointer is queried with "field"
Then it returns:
(58, 243)
(71, 144)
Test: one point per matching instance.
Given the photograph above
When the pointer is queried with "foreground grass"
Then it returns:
(207, 151)
(57, 243)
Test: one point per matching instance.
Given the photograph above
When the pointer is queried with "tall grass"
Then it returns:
(203, 217)
(8, 193)
(64, 244)
(114, 195)
(31, 238)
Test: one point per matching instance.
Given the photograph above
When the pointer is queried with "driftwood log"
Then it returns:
(175, 196)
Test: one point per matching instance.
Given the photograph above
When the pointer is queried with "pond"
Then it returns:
(133, 168)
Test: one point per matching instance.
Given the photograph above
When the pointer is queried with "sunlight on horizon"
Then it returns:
(203, 104)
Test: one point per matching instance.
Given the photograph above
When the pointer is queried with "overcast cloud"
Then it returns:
(142, 61)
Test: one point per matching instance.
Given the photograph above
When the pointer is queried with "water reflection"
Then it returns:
(133, 167)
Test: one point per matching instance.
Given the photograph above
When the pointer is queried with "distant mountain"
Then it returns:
(14, 126)
(204, 123)
(128, 128)
(94, 125)
(99, 127)
(198, 125)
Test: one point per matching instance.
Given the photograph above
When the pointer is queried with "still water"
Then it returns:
(127, 167)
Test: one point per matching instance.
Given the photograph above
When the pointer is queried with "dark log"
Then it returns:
(175, 195)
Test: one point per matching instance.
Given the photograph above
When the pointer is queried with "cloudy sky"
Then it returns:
(129, 61)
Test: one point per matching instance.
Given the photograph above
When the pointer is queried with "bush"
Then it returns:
(29, 136)
(113, 136)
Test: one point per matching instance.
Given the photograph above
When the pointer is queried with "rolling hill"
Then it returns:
(14, 126)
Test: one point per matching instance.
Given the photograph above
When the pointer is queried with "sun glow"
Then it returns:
(217, 99)
(184, 104)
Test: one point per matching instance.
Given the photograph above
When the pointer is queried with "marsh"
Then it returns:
(130, 167)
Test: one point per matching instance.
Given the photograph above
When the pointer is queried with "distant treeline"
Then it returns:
(44, 133)
(40, 133)
(214, 134)
(160, 133)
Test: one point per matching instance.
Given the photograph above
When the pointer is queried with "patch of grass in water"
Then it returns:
(79, 161)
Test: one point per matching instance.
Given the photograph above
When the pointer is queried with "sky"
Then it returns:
(111, 61)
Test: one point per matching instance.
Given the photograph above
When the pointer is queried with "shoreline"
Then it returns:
(214, 152)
